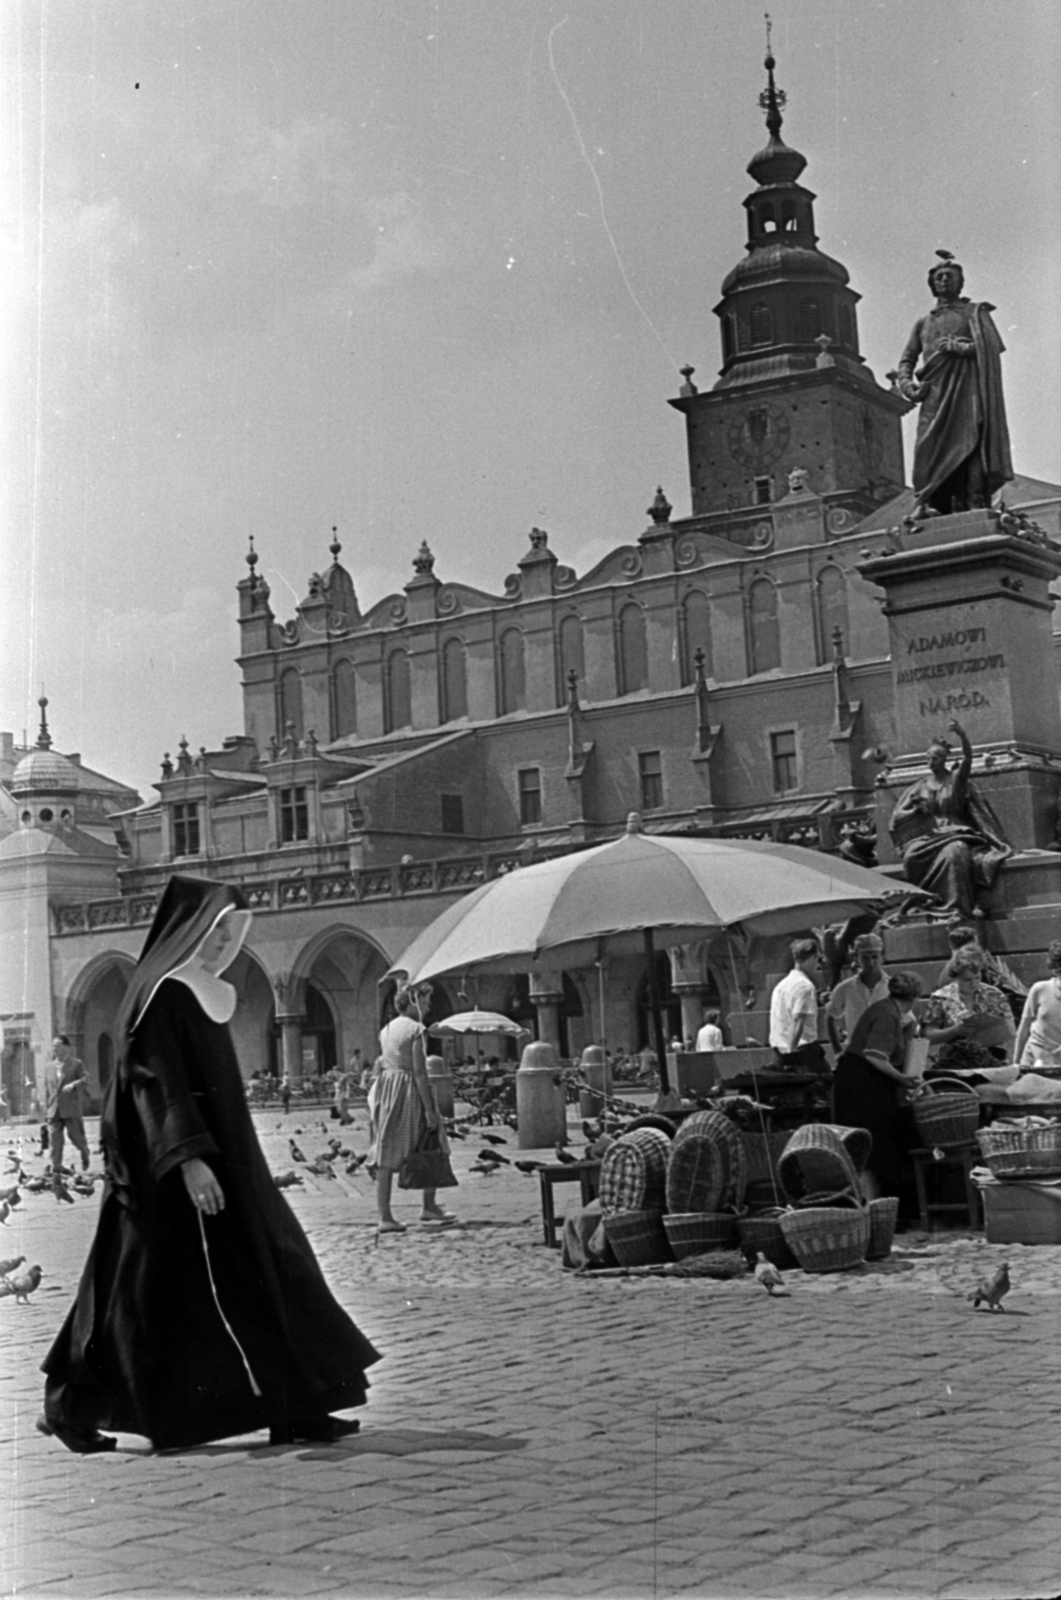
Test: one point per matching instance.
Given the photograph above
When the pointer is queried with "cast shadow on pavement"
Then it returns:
(382, 1442)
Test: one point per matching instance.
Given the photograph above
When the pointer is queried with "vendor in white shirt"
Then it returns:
(710, 1035)
(794, 1011)
(852, 996)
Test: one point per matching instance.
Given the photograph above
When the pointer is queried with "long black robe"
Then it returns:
(145, 1348)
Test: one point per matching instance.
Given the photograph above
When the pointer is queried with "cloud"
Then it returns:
(407, 244)
(304, 164)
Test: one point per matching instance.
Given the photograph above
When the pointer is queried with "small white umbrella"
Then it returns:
(478, 1022)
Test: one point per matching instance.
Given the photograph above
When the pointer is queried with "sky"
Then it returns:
(427, 270)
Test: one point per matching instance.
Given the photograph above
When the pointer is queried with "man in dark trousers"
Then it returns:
(65, 1081)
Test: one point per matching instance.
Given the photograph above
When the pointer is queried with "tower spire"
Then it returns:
(772, 98)
(44, 738)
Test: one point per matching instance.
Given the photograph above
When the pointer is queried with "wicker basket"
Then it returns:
(883, 1215)
(828, 1238)
(858, 1142)
(633, 1174)
(947, 1114)
(697, 1170)
(714, 1125)
(763, 1232)
(815, 1160)
(764, 1194)
(638, 1238)
(690, 1233)
(1021, 1152)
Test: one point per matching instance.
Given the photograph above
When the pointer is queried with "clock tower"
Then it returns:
(793, 392)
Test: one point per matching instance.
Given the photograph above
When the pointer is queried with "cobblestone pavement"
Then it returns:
(535, 1433)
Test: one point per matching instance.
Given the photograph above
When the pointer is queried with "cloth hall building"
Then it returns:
(724, 672)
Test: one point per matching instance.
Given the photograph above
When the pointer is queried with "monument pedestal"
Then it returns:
(969, 612)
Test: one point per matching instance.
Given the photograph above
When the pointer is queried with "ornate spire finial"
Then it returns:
(44, 738)
(335, 546)
(772, 98)
(660, 509)
(424, 561)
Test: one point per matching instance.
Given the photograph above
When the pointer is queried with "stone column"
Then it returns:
(687, 983)
(291, 1045)
(547, 994)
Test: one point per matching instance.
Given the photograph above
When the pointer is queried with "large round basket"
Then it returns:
(947, 1114)
(637, 1238)
(1021, 1152)
(633, 1174)
(714, 1125)
(815, 1160)
(692, 1232)
(827, 1238)
(882, 1218)
(763, 1232)
(697, 1170)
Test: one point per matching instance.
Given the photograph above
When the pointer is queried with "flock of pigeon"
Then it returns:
(988, 1292)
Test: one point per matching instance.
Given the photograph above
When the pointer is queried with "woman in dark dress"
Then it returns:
(201, 1311)
(870, 1086)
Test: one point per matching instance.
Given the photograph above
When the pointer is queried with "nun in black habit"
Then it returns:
(201, 1311)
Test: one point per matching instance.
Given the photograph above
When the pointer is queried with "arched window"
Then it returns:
(696, 633)
(572, 656)
(513, 672)
(729, 341)
(848, 330)
(398, 700)
(344, 699)
(830, 611)
(788, 217)
(761, 324)
(454, 680)
(633, 650)
(810, 320)
(764, 634)
(290, 702)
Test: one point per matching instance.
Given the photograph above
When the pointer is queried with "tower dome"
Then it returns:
(44, 770)
(786, 293)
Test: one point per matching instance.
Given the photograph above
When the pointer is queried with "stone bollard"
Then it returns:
(598, 1074)
(441, 1084)
(541, 1111)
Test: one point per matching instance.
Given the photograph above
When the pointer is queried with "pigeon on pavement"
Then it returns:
(22, 1287)
(991, 1292)
(767, 1274)
(10, 1265)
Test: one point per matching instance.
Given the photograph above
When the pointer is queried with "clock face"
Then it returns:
(759, 437)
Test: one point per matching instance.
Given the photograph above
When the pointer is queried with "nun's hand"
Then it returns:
(205, 1191)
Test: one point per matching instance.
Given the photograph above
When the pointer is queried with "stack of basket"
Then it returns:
(706, 1179)
(827, 1225)
(633, 1194)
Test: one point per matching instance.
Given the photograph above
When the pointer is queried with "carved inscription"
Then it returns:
(920, 671)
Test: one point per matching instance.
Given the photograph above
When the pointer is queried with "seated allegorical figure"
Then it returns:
(949, 838)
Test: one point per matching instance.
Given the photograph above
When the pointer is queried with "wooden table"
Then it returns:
(963, 1156)
(585, 1173)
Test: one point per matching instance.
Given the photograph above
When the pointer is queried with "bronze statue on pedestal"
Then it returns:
(962, 452)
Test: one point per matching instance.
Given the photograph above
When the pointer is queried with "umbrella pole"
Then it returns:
(600, 1001)
(657, 1014)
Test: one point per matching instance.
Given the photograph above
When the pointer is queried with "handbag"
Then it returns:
(427, 1164)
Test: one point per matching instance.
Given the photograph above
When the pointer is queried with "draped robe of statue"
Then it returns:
(962, 451)
(189, 1328)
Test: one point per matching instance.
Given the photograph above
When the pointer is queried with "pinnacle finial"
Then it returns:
(44, 738)
(772, 98)
(335, 546)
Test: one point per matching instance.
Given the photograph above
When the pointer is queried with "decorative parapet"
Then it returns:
(409, 880)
